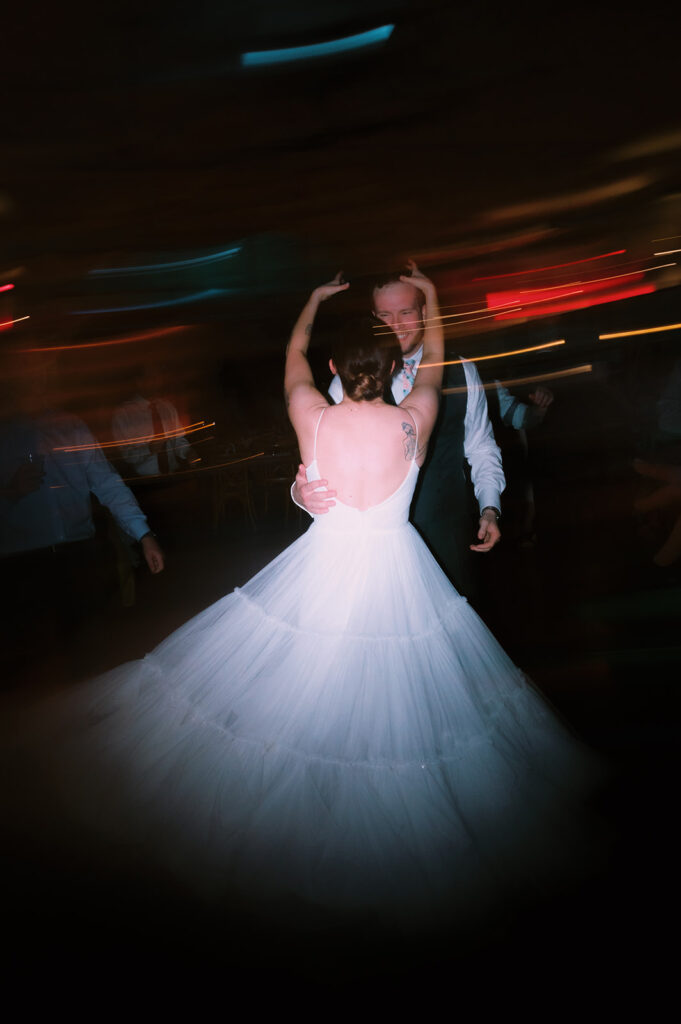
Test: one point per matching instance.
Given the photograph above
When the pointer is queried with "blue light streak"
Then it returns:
(209, 293)
(259, 57)
(196, 261)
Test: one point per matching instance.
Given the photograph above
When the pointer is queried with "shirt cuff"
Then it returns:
(490, 499)
(294, 500)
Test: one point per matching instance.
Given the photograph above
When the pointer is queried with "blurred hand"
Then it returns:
(152, 553)
(541, 397)
(489, 533)
(306, 494)
(417, 278)
(325, 291)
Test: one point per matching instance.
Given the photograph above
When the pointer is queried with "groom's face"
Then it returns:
(398, 305)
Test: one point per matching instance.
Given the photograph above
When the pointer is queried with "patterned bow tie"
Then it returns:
(407, 375)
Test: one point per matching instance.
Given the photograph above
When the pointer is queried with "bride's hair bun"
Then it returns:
(364, 358)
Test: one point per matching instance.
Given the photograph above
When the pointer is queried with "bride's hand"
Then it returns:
(325, 291)
(417, 278)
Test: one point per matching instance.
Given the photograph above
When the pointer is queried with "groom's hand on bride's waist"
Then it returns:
(307, 495)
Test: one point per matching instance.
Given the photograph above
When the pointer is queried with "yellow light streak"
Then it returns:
(667, 252)
(516, 381)
(8, 323)
(498, 355)
(643, 330)
(598, 280)
(201, 469)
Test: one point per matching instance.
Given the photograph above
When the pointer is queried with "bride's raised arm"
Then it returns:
(424, 397)
(299, 387)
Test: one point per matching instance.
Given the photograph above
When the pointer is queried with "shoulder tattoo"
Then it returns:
(409, 440)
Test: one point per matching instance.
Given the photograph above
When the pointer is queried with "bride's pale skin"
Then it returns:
(365, 447)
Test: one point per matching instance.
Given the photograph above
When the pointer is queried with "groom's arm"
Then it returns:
(307, 495)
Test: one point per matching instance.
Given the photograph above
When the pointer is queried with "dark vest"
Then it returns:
(443, 489)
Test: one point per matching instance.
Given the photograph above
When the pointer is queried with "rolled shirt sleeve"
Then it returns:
(480, 449)
(109, 488)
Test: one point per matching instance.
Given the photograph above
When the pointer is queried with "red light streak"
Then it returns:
(555, 266)
(584, 303)
(6, 287)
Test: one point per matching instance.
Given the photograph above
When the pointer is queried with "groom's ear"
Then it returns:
(332, 367)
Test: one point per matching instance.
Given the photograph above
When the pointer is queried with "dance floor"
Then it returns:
(603, 648)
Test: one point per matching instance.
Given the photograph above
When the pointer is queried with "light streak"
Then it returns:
(598, 280)
(437, 319)
(558, 306)
(517, 381)
(8, 323)
(290, 53)
(6, 287)
(498, 355)
(201, 469)
(643, 330)
(196, 261)
(144, 336)
(666, 252)
(142, 439)
(555, 266)
(194, 297)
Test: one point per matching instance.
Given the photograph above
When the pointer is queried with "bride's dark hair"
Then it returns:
(364, 355)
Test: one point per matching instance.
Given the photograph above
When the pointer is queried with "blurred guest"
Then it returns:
(149, 431)
(52, 559)
(512, 418)
(666, 498)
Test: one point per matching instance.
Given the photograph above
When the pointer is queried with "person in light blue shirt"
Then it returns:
(50, 464)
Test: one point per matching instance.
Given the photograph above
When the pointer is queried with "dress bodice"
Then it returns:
(389, 514)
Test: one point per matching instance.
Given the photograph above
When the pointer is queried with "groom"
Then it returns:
(441, 509)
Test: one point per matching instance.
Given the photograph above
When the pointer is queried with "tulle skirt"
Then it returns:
(343, 730)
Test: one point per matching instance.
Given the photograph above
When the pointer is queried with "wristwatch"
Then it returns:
(491, 508)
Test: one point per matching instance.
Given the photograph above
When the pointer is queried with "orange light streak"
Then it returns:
(597, 280)
(143, 439)
(554, 266)
(201, 469)
(644, 330)
(516, 381)
(144, 336)
(498, 355)
(8, 323)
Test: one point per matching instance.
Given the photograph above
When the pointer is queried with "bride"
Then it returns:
(343, 731)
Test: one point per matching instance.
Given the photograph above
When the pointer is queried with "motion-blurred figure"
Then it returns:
(512, 418)
(52, 560)
(149, 431)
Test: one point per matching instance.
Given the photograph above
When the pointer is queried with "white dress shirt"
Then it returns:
(133, 420)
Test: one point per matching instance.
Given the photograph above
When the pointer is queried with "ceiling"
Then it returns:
(479, 135)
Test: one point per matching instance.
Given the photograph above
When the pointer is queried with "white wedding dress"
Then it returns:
(343, 729)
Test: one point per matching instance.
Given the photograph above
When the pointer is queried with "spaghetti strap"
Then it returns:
(316, 431)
